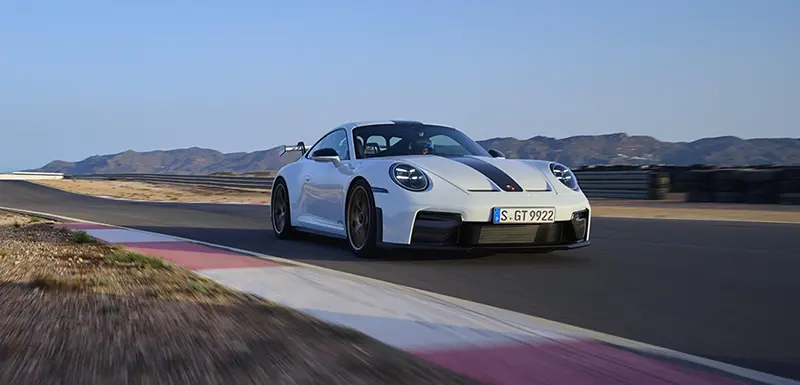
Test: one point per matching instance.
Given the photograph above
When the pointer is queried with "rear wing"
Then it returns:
(299, 147)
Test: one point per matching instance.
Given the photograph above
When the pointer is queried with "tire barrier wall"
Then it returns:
(636, 184)
(766, 186)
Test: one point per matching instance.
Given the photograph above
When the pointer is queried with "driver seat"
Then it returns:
(359, 148)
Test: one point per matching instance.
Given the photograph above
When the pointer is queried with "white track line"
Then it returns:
(603, 337)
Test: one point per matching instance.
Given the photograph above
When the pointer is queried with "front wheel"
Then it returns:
(360, 220)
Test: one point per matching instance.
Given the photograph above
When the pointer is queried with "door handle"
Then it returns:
(307, 178)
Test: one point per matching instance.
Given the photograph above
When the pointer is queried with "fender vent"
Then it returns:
(436, 228)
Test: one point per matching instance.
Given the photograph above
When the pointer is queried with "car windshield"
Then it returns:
(413, 139)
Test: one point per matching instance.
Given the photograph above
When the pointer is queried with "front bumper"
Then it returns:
(447, 231)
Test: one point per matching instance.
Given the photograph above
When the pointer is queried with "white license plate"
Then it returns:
(524, 215)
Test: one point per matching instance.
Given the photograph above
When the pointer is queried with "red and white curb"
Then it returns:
(492, 345)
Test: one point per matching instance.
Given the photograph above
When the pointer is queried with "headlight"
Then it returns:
(565, 175)
(409, 177)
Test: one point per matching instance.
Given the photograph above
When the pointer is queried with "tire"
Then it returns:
(279, 200)
(362, 242)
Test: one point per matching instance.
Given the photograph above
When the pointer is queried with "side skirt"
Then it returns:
(320, 232)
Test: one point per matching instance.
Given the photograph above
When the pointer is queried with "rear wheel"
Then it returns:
(360, 220)
(281, 212)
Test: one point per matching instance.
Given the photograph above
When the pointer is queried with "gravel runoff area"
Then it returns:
(74, 310)
(673, 208)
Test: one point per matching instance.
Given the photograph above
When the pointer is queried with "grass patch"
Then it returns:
(198, 287)
(58, 259)
(98, 282)
(81, 236)
(139, 260)
(36, 220)
(57, 283)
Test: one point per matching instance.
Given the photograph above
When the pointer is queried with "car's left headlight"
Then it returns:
(565, 175)
(409, 177)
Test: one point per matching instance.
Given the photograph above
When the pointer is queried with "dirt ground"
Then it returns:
(76, 311)
(709, 213)
(673, 208)
(158, 191)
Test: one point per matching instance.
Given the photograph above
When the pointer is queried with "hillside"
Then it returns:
(573, 151)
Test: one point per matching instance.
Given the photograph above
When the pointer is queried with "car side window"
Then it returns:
(337, 140)
(319, 145)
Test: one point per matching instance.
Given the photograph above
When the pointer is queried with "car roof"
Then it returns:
(363, 123)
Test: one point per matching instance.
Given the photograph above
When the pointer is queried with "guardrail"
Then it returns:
(639, 184)
(768, 185)
(244, 182)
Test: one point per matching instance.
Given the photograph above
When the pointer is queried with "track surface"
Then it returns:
(728, 291)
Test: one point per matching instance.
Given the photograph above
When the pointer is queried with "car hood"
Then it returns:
(474, 173)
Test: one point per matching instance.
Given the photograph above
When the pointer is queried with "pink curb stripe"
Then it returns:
(82, 226)
(577, 362)
(197, 257)
(178, 202)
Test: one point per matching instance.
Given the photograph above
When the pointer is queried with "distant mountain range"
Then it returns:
(574, 151)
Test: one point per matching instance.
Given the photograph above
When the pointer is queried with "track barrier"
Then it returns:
(700, 183)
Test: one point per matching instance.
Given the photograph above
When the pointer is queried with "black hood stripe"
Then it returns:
(496, 175)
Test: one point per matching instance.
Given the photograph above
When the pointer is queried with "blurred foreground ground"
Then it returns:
(673, 208)
(74, 311)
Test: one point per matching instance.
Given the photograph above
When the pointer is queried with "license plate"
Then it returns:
(524, 215)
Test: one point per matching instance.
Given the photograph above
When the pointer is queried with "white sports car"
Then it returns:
(410, 184)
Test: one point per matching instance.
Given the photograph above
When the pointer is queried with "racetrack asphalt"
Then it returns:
(728, 291)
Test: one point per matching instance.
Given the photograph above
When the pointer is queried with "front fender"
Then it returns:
(291, 174)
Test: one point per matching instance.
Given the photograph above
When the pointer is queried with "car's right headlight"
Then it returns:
(565, 175)
(409, 177)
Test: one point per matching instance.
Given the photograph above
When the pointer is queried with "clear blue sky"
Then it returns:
(79, 78)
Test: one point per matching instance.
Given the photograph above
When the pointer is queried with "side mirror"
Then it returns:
(496, 154)
(326, 155)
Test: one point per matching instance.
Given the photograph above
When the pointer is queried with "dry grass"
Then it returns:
(33, 252)
(157, 191)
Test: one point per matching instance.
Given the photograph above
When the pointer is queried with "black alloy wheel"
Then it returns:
(281, 211)
(360, 219)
